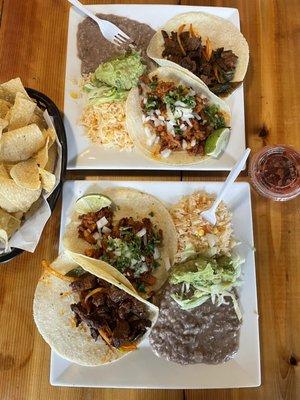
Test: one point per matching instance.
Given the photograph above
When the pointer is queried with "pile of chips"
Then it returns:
(28, 153)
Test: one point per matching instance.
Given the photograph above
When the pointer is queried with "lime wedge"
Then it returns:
(216, 142)
(91, 203)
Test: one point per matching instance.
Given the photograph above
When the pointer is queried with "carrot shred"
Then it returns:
(208, 49)
(180, 29)
(104, 335)
(97, 290)
(128, 347)
(47, 267)
(192, 32)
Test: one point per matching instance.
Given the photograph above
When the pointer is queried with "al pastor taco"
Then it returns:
(210, 47)
(133, 233)
(175, 119)
(86, 315)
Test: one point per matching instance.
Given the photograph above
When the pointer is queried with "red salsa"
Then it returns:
(275, 172)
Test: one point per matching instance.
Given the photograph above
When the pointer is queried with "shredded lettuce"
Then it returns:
(188, 252)
(203, 278)
(103, 94)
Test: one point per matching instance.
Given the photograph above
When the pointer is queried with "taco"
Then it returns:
(210, 47)
(86, 315)
(175, 119)
(134, 234)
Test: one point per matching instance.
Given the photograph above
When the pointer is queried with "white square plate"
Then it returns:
(82, 154)
(141, 368)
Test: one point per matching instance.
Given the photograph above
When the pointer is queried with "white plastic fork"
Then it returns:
(210, 214)
(110, 31)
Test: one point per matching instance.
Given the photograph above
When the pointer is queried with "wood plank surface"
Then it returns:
(32, 45)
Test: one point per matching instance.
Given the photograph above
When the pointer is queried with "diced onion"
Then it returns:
(187, 121)
(156, 254)
(151, 140)
(96, 235)
(179, 103)
(193, 143)
(166, 153)
(148, 132)
(105, 229)
(141, 233)
(101, 223)
(184, 144)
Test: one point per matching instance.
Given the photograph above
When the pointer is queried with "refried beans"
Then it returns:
(93, 49)
(205, 334)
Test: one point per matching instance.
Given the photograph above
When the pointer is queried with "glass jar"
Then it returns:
(275, 172)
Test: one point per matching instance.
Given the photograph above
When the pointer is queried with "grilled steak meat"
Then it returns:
(119, 318)
(216, 67)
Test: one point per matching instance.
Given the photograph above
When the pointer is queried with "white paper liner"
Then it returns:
(28, 236)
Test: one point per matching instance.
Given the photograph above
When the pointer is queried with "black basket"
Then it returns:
(45, 103)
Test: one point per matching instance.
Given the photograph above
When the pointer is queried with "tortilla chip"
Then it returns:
(14, 198)
(11, 88)
(41, 156)
(4, 107)
(3, 172)
(26, 174)
(52, 155)
(20, 144)
(9, 223)
(48, 180)
(21, 112)
(4, 247)
(38, 120)
(18, 215)
(3, 125)
(51, 134)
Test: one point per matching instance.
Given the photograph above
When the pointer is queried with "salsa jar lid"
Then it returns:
(275, 172)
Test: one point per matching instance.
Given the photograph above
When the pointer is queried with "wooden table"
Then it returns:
(33, 46)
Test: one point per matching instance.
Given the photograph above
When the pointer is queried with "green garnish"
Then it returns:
(214, 116)
(203, 278)
(152, 103)
(75, 272)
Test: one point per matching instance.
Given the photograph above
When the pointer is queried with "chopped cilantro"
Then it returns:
(214, 116)
(177, 129)
(153, 85)
(141, 287)
(152, 103)
(76, 272)
(178, 95)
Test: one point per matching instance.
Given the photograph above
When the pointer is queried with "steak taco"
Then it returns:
(86, 315)
(131, 231)
(175, 119)
(210, 47)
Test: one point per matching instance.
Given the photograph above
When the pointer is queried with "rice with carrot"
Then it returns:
(195, 235)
